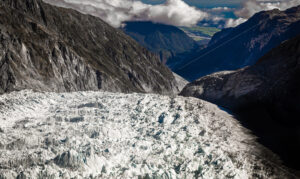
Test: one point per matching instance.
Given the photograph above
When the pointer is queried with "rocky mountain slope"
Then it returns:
(167, 41)
(111, 135)
(243, 45)
(267, 94)
(181, 82)
(48, 48)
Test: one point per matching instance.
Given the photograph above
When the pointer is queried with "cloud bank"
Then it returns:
(250, 7)
(115, 12)
(172, 12)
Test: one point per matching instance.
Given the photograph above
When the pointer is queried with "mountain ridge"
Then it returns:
(234, 48)
(166, 41)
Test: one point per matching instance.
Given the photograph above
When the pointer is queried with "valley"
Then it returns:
(143, 89)
(200, 34)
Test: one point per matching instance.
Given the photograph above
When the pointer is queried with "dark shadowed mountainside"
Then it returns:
(243, 45)
(266, 96)
(49, 48)
(169, 42)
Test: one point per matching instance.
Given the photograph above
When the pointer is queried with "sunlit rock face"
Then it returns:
(110, 135)
(48, 48)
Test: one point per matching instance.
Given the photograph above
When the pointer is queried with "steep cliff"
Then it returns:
(48, 48)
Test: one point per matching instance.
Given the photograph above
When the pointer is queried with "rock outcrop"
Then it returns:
(48, 48)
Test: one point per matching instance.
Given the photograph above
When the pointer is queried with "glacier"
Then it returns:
(113, 135)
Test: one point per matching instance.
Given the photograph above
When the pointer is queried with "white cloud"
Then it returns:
(115, 12)
(221, 9)
(250, 7)
(172, 12)
(234, 22)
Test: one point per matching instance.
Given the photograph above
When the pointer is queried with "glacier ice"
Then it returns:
(113, 135)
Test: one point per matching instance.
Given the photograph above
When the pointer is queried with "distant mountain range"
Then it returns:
(169, 42)
(243, 45)
(48, 48)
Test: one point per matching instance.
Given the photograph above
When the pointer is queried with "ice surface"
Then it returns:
(110, 135)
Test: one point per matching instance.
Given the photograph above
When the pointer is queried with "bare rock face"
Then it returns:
(265, 95)
(181, 82)
(48, 48)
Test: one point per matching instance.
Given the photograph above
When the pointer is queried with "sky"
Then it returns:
(217, 13)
